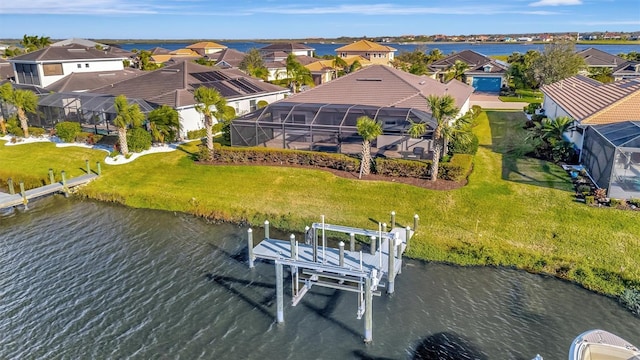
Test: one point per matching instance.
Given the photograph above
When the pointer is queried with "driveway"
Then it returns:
(491, 101)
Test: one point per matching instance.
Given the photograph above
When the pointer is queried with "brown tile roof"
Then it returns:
(379, 85)
(365, 45)
(184, 52)
(70, 52)
(174, 85)
(598, 58)
(586, 100)
(206, 45)
(286, 47)
(91, 80)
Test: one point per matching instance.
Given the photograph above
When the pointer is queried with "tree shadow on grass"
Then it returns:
(508, 138)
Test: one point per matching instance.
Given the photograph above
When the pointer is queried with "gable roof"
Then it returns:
(206, 45)
(379, 85)
(174, 85)
(228, 57)
(598, 58)
(286, 47)
(365, 45)
(184, 52)
(159, 51)
(90, 80)
(81, 42)
(66, 53)
(6, 70)
(591, 102)
(627, 69)
(469, 57)
(495, 67)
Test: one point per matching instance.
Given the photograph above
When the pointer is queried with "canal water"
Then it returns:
(80, 279)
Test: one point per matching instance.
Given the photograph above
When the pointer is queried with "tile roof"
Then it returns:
(90, 80)
(68, 52)
(79, 41)
(629, 68)
(365, 45)
(184, 52)
(598, 58)
(470, 57)
(589, 101)
(206, 45)
(495, 68)
(174, 85)
(379, 85)
(286, 47)
(228, 57)
(159, 51)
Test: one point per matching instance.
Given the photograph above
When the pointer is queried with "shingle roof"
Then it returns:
(6, 70)
(90, 80)
(494, 68)
(231, 57)
(206, 45)
(598, 58)
(68, 52)
(629, 68)
(174, 85)
(589, 101)
(286, 47)
(470, 57)
(379, 85)
(159, 51)
(365, 45)
(81, 42)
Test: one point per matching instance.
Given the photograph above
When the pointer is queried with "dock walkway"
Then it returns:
(9, 200)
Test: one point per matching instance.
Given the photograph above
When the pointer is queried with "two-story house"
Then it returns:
(374, 52)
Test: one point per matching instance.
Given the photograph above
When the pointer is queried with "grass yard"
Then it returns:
(515, 211)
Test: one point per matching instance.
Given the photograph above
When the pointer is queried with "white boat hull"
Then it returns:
(602, 345)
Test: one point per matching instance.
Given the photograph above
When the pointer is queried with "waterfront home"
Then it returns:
(324, 71)
(324, 118)
(206, 48)
(627, 70)
(374, 52)
(482, 72)
(296, 49)
(45, 66)
(227, 58)
(596, 59)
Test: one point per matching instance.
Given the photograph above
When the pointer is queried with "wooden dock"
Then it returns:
(9, 200)
(312, 263)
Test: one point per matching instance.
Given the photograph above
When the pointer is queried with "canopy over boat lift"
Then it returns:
(314, 263)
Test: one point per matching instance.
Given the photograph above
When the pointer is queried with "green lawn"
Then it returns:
(515, 211)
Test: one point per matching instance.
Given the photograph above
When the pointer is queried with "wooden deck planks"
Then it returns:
(8, 200)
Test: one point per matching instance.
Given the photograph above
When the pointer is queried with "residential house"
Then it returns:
(82, 82)
(45, 66)
(276, 63)
(374, 52)
(6, 70)
(590, 102)
(174, 86)
(483, 73)
(324, 118)
(596, 58)
(627, 70)
(206, 48)
(227, 58)
(296, 49)
(81, 42)
(324, 71)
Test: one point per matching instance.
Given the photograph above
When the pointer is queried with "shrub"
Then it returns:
(615, 202)
(531, 108)
(590, 200)
(262, 103)
(403, 168)
(15, 131)
(88, 138)
(634, 202)
(68, 130)
(600, 194)
(138, 139)
(36, 131)
(475, 111)
(457, 147)
(631, 299)
(457, 169)
(196, 134)
(583, 189)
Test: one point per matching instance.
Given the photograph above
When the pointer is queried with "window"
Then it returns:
(52, 69)
(252, 105)
(86, 65)
(27, 74)
(79, 66)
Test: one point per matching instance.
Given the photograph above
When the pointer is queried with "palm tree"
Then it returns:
(25, 101)
(211, 105)
(298, 74)
(339, 65)
(126, 115)
(457, 70)
(5, 96)
(443, 109)
(551, 130)
(369, 129)
(164, 123)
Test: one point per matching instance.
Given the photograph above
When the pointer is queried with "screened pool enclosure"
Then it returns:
(329, 127)
(611, 154)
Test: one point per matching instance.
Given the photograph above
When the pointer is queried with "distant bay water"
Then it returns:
(447, 48)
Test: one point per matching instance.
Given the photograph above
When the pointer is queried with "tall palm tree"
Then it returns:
(164, 123)
(126, 115)
(443, 110)
(298, 74)
(211, 105)
(369, 129)
(5, 96)
(25, 101)
(457, 70)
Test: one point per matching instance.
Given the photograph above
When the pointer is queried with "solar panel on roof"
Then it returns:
(245, 85)
(224, 89)
(210, 76)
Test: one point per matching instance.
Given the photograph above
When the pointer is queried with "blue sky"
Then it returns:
(244, 19)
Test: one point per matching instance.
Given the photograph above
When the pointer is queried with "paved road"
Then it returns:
(492, 102)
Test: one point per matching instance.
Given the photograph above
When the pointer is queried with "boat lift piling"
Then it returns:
(335, 268)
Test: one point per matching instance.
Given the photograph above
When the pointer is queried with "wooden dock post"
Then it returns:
(384, 227)
(391, 274)
(52, 179)
(250, 247)
(266, 229)
(415, 222)
(12, 191)
(64, 183)
(393, 219)
(24, 195)
(341, 256)
(99, 168)
(368, 311)
(372, 246)
(292, 240)
(407, 235)
(352, 243)
(86, 162)
(279, 294)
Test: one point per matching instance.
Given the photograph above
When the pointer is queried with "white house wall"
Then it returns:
(553, 111)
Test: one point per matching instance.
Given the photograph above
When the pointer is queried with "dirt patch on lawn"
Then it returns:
(423, 183)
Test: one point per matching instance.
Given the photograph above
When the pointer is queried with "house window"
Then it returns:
(27, 74)
(52, 69)
(79, 66)
(86, 65)
(252, 105)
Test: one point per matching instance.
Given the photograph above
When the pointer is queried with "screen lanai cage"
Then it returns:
(611, 154)
(95, 112)
(329, 128)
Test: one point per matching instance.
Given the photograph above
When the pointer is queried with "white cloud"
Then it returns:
(556, 2)
(395, 9)
(103, 7)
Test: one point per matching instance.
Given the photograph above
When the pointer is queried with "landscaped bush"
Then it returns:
(68, 130)
(457, 169)
(138, 139)
(36, 131)
(590, 200)
(615, 202)
(531, 108)
(634, 202)
(631, 299)
(403, 168)
(286, 157)
(458, 147)
(196, 134)
(88, 138)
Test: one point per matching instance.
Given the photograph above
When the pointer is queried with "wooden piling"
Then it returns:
(368, 311)
(266, 229)
(393, 219)
(250, 247)
(51, 177)
(279, 294)
(24, 195)
(392, 265)
(99, 168)
(292, 241)
(86, 162)
(12, 191)
(384, 227)
(407, 235)
(64, 183)
(341, 256)
(416, 218)
(372, 246)
(352, 242)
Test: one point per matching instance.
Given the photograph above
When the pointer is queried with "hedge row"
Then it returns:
(457, 169)
(403, 168)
